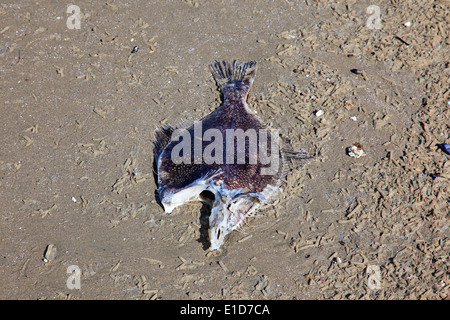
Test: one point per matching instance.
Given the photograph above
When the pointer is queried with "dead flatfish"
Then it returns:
(228, 159)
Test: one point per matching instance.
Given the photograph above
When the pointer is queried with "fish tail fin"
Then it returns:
(235, 73)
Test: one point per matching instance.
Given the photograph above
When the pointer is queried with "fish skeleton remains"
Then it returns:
(227, 160)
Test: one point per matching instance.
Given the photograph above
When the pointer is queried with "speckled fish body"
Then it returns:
(239, 187)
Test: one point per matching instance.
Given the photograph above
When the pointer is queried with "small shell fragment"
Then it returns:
(356, 150)
(50, 253)
(445, 147)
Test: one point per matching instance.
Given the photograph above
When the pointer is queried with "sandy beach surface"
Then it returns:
(79, 107)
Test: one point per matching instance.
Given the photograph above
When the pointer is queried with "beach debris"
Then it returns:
(50, 253)
(356, 150)
(401, 40)
(444, 147)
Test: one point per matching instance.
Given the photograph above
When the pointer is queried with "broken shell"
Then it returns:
(50, 253)
(356, 150)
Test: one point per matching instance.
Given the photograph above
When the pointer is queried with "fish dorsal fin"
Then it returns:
(162, 138)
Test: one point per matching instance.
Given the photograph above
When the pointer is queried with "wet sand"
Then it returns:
(79, 108)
